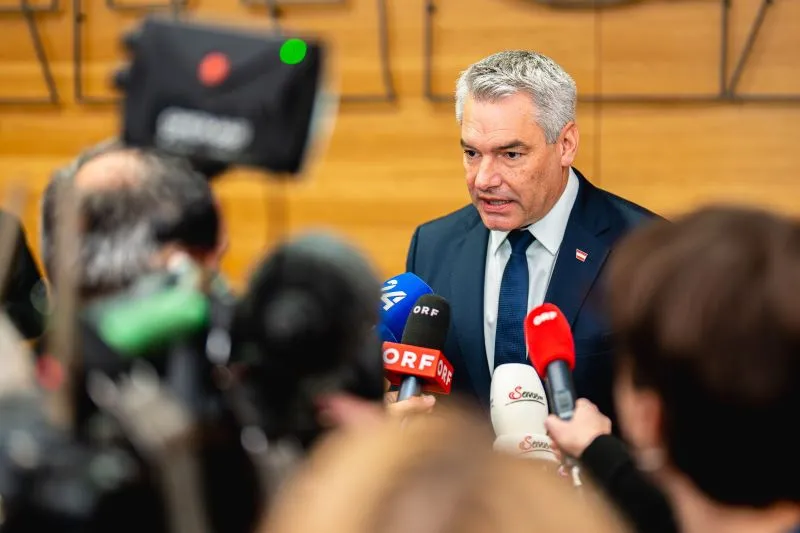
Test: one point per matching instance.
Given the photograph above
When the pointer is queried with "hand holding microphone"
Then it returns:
(572, 437)
(417, 364)
(416, 405)
(399, 294)
(551, 350)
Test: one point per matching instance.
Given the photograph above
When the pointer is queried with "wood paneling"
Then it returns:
(388, 168)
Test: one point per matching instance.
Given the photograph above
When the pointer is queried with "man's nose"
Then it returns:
(487, 176)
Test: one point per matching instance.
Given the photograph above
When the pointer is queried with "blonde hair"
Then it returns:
(435, 474)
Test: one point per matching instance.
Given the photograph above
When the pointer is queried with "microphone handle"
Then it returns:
(561, 396)
(560, 390)
(411, 386)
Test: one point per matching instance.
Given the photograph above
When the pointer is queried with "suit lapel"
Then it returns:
(467, 304)
(582, 253)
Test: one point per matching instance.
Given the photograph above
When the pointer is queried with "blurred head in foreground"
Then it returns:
(431, 474)
(707, 310)
(132, 205)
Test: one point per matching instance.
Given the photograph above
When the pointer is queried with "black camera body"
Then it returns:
(220, 368)
(51, 481)
(221, 96)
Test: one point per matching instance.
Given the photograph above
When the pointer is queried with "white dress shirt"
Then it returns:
(548, 232)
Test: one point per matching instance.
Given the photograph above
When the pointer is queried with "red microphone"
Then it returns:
(417, 364)
(551, 350)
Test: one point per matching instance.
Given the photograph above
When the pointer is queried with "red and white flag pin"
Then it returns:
(580, 255)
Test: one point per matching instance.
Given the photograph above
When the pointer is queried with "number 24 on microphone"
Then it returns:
(429, 366)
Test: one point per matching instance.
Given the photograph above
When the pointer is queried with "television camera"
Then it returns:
(189, 403)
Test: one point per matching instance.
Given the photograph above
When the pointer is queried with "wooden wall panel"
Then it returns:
(660, 48)
(467, 31)
(389, 167)
(698, 155)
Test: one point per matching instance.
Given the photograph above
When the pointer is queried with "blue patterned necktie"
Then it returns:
(509, 345)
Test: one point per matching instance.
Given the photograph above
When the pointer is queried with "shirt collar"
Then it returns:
(550, 229)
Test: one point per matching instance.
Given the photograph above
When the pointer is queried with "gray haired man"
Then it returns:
(536, 230)
(126, 197)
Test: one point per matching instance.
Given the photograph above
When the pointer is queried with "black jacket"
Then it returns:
(611, 467)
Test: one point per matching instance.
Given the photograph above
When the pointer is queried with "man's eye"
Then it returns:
(470, 153)
(513, 155)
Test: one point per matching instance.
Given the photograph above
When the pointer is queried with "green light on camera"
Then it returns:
(293, 51)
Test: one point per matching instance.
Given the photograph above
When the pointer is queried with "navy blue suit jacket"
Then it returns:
(449, 254)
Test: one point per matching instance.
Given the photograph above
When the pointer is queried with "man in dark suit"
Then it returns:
(537, 230)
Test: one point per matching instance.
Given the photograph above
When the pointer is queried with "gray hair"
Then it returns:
(118, 235)
(553, 91)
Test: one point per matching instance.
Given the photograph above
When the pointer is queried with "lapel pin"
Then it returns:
(580, 255)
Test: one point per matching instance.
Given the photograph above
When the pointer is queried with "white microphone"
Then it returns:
(526, 446)
(518, 411)
(518, 401)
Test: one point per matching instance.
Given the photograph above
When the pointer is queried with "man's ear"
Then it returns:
(568, 144)
(640, 411)
(648, 413)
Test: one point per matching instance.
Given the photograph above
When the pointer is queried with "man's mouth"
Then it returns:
(495, 202)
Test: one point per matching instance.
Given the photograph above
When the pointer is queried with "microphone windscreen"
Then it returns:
(306, 327)
(548, 338)
(518, 401)
(526, 446)
(398, 296)
(428, 323)
(309, 304)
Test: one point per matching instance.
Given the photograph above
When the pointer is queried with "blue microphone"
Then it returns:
(385, 333)
(398, 295)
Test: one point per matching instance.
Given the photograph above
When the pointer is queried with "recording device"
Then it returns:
(518, 408)
(398, 296)
(181, 385)
(309, 312)
(517, 399)
(526, 446)
(48, 479)
(154, 369)
(417, 364)
(552, 352)
(239, 379)
(304, 327)
(222, 96)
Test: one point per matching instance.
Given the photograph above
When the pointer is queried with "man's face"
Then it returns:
(514, 177)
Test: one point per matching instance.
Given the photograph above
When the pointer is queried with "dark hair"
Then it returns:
(707, 313)
(123, 226)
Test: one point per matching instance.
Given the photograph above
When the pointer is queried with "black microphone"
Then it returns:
(426, 328)
(309, 313)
